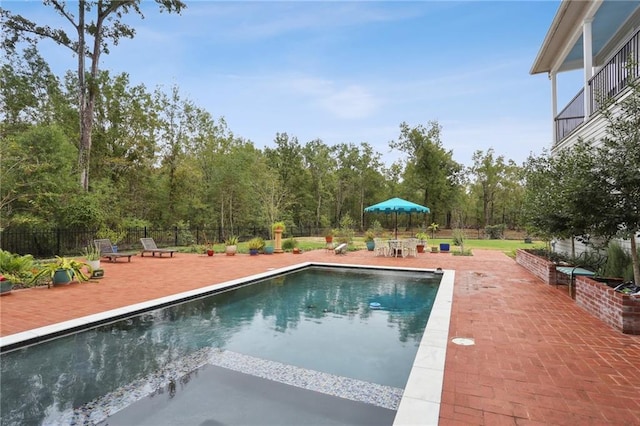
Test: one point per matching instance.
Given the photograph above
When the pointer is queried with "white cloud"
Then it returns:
(351, 101)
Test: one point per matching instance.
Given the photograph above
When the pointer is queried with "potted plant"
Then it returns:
(328, 236)
(422, 241)
(6, 285)
(434, 229)
(114, 236)
(268, 249)
(64, 270)
(255, 245)
(369, 240)
(16, 269)
(279, 227)
(231, 245)
(92, 255)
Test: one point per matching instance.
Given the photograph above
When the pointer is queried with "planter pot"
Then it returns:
(5, 287)
(420, 248)
(268, 250)
(231, 250)
(97, 274)
(95, 264)
(62, 277)
(253, 252)
(328, 239)
(209, 252)
(434, 249)
(444, 247)
(296, 250)
(371, 245)
(114, 248)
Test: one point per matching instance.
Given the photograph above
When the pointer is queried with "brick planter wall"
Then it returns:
(620, 311)
(538, 266)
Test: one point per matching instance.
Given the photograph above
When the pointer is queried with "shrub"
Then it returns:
(20, 268)
(495, 232)
(618, 262)
(289, 244)
(345, 232)
(377, 228)
(458, 237)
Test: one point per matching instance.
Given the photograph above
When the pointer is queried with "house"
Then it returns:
(598, 38)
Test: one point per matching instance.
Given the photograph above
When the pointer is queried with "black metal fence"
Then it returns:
(49, 242)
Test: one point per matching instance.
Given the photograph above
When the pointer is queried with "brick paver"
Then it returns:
(537, 359)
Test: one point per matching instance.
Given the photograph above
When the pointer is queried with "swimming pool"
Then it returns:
(332, 322)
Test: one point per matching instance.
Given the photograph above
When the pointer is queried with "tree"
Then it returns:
(489, 173)
(287, 160)
(617, 174)
(430, 169)
(319, 161)
(106, 27)
(562, 197)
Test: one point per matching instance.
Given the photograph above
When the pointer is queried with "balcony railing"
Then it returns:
(570, 117)
(608, 82)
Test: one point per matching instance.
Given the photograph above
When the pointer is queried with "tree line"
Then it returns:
(90, 150)
(160, 160)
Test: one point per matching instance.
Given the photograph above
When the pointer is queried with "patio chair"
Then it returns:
(149, 246)
(106, 250)
(410, 247)
(396, 248)
(381, 247)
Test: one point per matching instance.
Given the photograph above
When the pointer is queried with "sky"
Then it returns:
(347, 71)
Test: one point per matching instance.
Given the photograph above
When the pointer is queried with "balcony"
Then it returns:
(608, 83)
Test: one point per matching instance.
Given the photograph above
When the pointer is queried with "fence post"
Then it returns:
(175, 236)
(58, 241)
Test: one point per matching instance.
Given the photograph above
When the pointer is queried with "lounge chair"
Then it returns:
(149, 246)
(106, 250)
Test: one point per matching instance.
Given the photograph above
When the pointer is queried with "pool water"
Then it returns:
(359, 324)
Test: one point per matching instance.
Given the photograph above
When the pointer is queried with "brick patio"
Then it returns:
(537, 359)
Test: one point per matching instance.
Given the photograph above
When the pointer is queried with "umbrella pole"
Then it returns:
(396, 225)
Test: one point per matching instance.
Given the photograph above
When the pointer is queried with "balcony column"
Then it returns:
(554, 106)
(587, 50)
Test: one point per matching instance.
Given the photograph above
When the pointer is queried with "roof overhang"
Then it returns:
(612, 21)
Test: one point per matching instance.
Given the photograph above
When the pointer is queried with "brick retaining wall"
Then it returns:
(538, 266)
(620, 311)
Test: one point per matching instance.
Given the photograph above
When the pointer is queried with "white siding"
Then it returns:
(593, 131)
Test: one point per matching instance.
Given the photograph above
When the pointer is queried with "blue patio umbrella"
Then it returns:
(396, 205)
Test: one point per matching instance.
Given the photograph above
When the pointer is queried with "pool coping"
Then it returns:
(420, 403)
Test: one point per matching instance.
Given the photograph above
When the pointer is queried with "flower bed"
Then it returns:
(621, 311)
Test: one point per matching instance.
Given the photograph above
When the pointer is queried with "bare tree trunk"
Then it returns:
(82, 101)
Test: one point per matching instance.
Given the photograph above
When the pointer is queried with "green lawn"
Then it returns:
(507, 246)
(314, 243)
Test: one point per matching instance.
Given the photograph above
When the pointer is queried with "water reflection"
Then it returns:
(42, 381)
